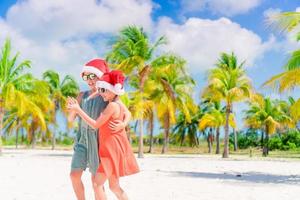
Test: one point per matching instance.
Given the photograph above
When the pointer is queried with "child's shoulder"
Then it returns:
(113, 105)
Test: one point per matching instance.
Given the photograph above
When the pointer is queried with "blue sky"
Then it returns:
(63, 34)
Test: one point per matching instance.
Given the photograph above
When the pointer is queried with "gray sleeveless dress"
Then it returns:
(86, 142)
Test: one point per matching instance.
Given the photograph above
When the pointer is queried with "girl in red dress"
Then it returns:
(116, 156)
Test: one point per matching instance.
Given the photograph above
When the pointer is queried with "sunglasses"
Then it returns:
(89, 77)
(102, 90)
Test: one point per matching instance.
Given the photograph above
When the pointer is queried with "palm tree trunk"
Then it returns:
(33, 139)
(22, 136)
(226, 138)
(1, 123)
(218, 141)
(166, 140)
(266, 143)
(141, 142)
(53, 139)
(210, 140)
(235, 140)
(262, 139)
(209, 144)
(151, 125)
(33, 135)
(143, 74)
(17, 137)
(54, 132)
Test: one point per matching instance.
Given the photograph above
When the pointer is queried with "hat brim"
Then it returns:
(108, 86)
(93, 70)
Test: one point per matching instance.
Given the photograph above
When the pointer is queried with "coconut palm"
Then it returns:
(228, 82)
(172, 92)
(60, 90)
(268, 114)
(28, 102)
(285, 81)
(187, 130)
(137, 102)
(133, 53)
(290, 78)
(285, 22)
(215, 117)
(14, 123)
(150, 118)
(10, 74)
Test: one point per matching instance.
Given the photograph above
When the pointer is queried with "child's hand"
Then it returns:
(72, 104)
(116, 125)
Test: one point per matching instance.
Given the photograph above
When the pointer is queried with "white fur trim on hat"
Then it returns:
(93, 70)
(117, 90)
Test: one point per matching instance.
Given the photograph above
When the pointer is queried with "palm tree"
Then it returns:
(60, 90)
(268, 114)
(290, 78)
(187, 130)
(228, 82)
(27, 105)
(294, 110)
(172, 92)
(215, 117)
(136, 102)
(10, 74)
(285, 22)
(150, 118)
(133, 53)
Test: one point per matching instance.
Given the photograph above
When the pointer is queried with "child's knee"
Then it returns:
(75, 176)
(114, 187)
(96, 185)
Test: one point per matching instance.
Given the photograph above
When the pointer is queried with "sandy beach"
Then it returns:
(44, 175)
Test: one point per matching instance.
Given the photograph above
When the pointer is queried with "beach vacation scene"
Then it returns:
(149, 99)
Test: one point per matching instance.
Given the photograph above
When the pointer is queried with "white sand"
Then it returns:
(44, 175)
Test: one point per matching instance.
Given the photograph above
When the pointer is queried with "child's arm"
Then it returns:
(107, 113)
(118, 125)
(72, 114)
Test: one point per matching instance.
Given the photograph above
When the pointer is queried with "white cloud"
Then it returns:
(271, 11)
(61, 19)
(201, 41)
(224, 7)
(57, 34)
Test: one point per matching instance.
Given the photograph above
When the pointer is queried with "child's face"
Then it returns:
(107, 95)
(90, 79)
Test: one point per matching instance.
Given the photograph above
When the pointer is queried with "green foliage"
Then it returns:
(286, 141)
(275, 142)
(247, 139)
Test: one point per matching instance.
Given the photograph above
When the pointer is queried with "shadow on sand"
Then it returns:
(54, 155)
(252, 177)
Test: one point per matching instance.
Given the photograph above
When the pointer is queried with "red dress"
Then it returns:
(116, 155)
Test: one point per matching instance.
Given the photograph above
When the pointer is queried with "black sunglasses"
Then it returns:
(102, 90)
(89, 76)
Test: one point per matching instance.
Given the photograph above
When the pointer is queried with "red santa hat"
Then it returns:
(96, 66)
(113, 81)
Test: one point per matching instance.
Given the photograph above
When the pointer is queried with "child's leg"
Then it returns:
(98, 185)
(77, 184)
(114, 186)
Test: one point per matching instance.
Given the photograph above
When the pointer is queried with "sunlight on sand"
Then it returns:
(44, 175)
